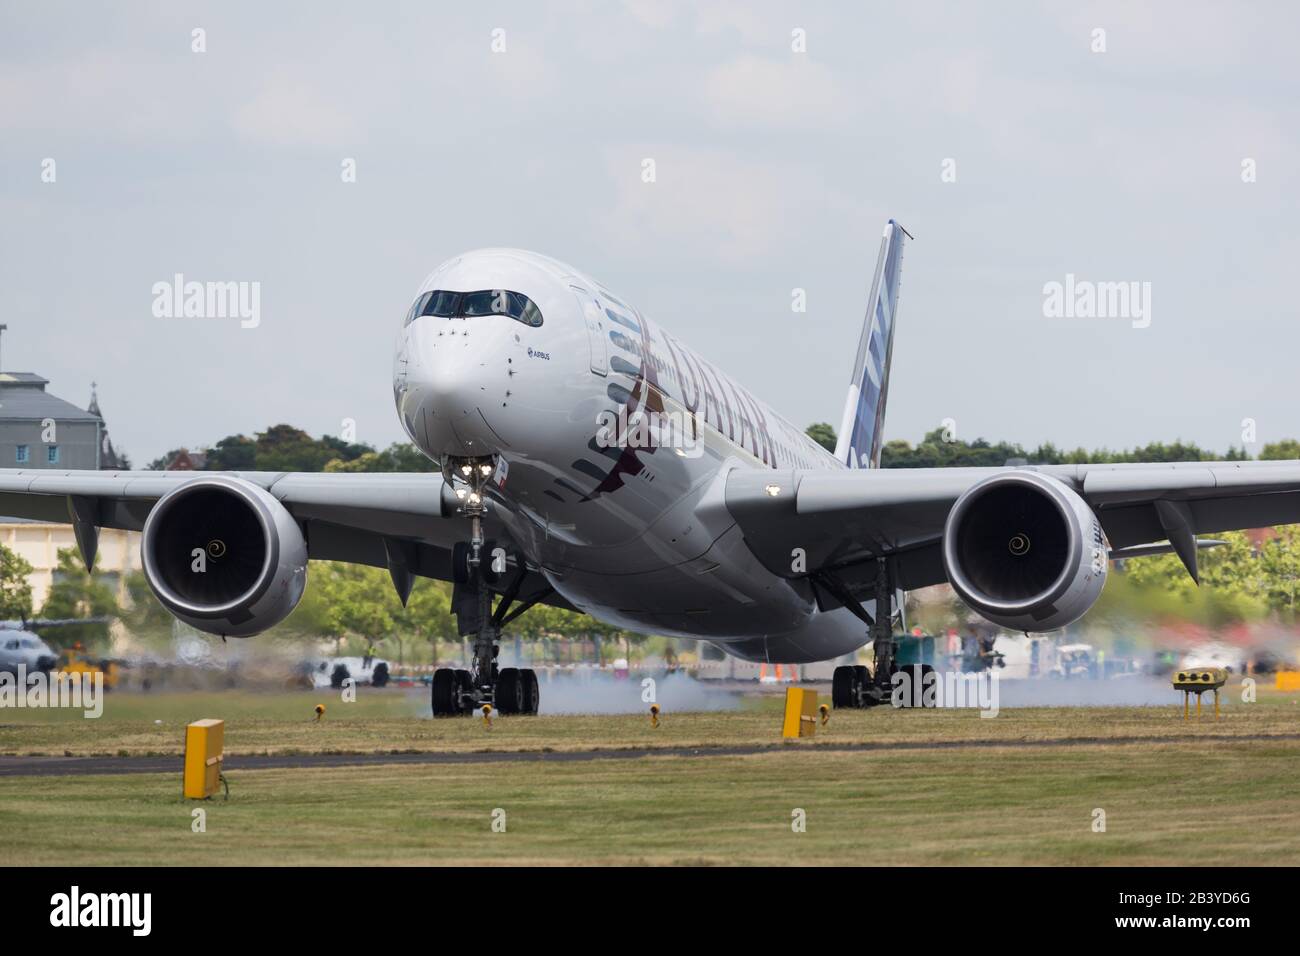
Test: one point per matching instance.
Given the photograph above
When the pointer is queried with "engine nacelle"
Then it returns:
(1025, 551)
(224, 556)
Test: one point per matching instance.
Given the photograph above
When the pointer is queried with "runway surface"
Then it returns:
(48, 766)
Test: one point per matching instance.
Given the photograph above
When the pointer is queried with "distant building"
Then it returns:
(186, 460)
(109, 460)
(40, 543)
(40, 430)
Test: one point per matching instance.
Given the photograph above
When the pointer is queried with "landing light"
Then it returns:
(474, 499)
(485, 470)
(465, 469)
(772, 490)
(460, 492)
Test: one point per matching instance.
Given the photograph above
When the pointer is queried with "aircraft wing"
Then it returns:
(346, 516)
(843, 519)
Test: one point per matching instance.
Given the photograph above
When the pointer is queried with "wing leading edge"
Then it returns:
(359, 518)
(835, 520)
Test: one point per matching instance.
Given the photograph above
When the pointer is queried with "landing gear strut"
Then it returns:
(854, 685)
(478, 565)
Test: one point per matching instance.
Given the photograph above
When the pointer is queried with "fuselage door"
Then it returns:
(595, 320)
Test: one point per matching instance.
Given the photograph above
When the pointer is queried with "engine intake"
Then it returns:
(1025, 551)
(224, 556)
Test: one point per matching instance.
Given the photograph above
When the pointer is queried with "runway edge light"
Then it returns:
(1197, 681)
(800, 713)
(204, 742)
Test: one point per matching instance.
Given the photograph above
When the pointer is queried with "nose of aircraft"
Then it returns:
(447, 377)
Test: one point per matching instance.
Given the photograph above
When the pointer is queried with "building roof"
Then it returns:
(23, 396)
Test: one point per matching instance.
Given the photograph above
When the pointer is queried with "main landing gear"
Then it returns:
(479, 566)
(854, 685)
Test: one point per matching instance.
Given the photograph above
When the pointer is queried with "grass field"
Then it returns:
(1215, 801)
(385, 721)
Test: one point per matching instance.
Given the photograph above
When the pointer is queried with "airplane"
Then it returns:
(21, 647)
(20, 644)
(591, 460)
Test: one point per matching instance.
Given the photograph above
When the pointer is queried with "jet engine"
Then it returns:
(1025, 551)
(224, 556)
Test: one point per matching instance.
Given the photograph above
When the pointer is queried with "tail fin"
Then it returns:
(858, 445)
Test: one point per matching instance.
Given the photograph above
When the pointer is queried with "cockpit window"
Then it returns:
(441, 304)
(473, 304)
(485, 303)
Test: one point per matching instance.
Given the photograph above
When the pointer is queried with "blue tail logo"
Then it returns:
(864, 409)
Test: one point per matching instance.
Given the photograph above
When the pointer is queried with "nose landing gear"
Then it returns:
(478, 565)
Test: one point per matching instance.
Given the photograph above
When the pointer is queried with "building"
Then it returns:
(186, 460)
(40, 430)
(39, 543)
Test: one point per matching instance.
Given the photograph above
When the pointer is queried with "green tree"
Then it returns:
(286, 448)
(78, 594)
(1285, 450)
(347, 600)
(144, 617)
(15, 586)
(396, 457)
(823, 434)
(426, 617)
(233, 453)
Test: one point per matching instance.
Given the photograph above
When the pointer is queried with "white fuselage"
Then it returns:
(616, 439)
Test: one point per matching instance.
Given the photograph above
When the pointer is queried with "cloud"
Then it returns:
(796, 93)
(714, 204)
(288, 111)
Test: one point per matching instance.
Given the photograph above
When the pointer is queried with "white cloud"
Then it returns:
(797, 93)
(288, 111)
(713, 204)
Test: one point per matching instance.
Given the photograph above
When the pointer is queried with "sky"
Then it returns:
(1152, 143)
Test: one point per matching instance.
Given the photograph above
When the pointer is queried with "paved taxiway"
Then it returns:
(44, 766)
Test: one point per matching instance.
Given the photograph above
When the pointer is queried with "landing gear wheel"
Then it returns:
(380, 676)
(532, 693)
(864, 678)
(460, 555)
(509, 691)
(464, 685)
(446, 702)
(842, 682)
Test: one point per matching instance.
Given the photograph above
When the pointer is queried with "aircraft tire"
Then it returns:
(444, 696)
(532, 692)
(842, 687)
(460, 552)
(509, 691)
